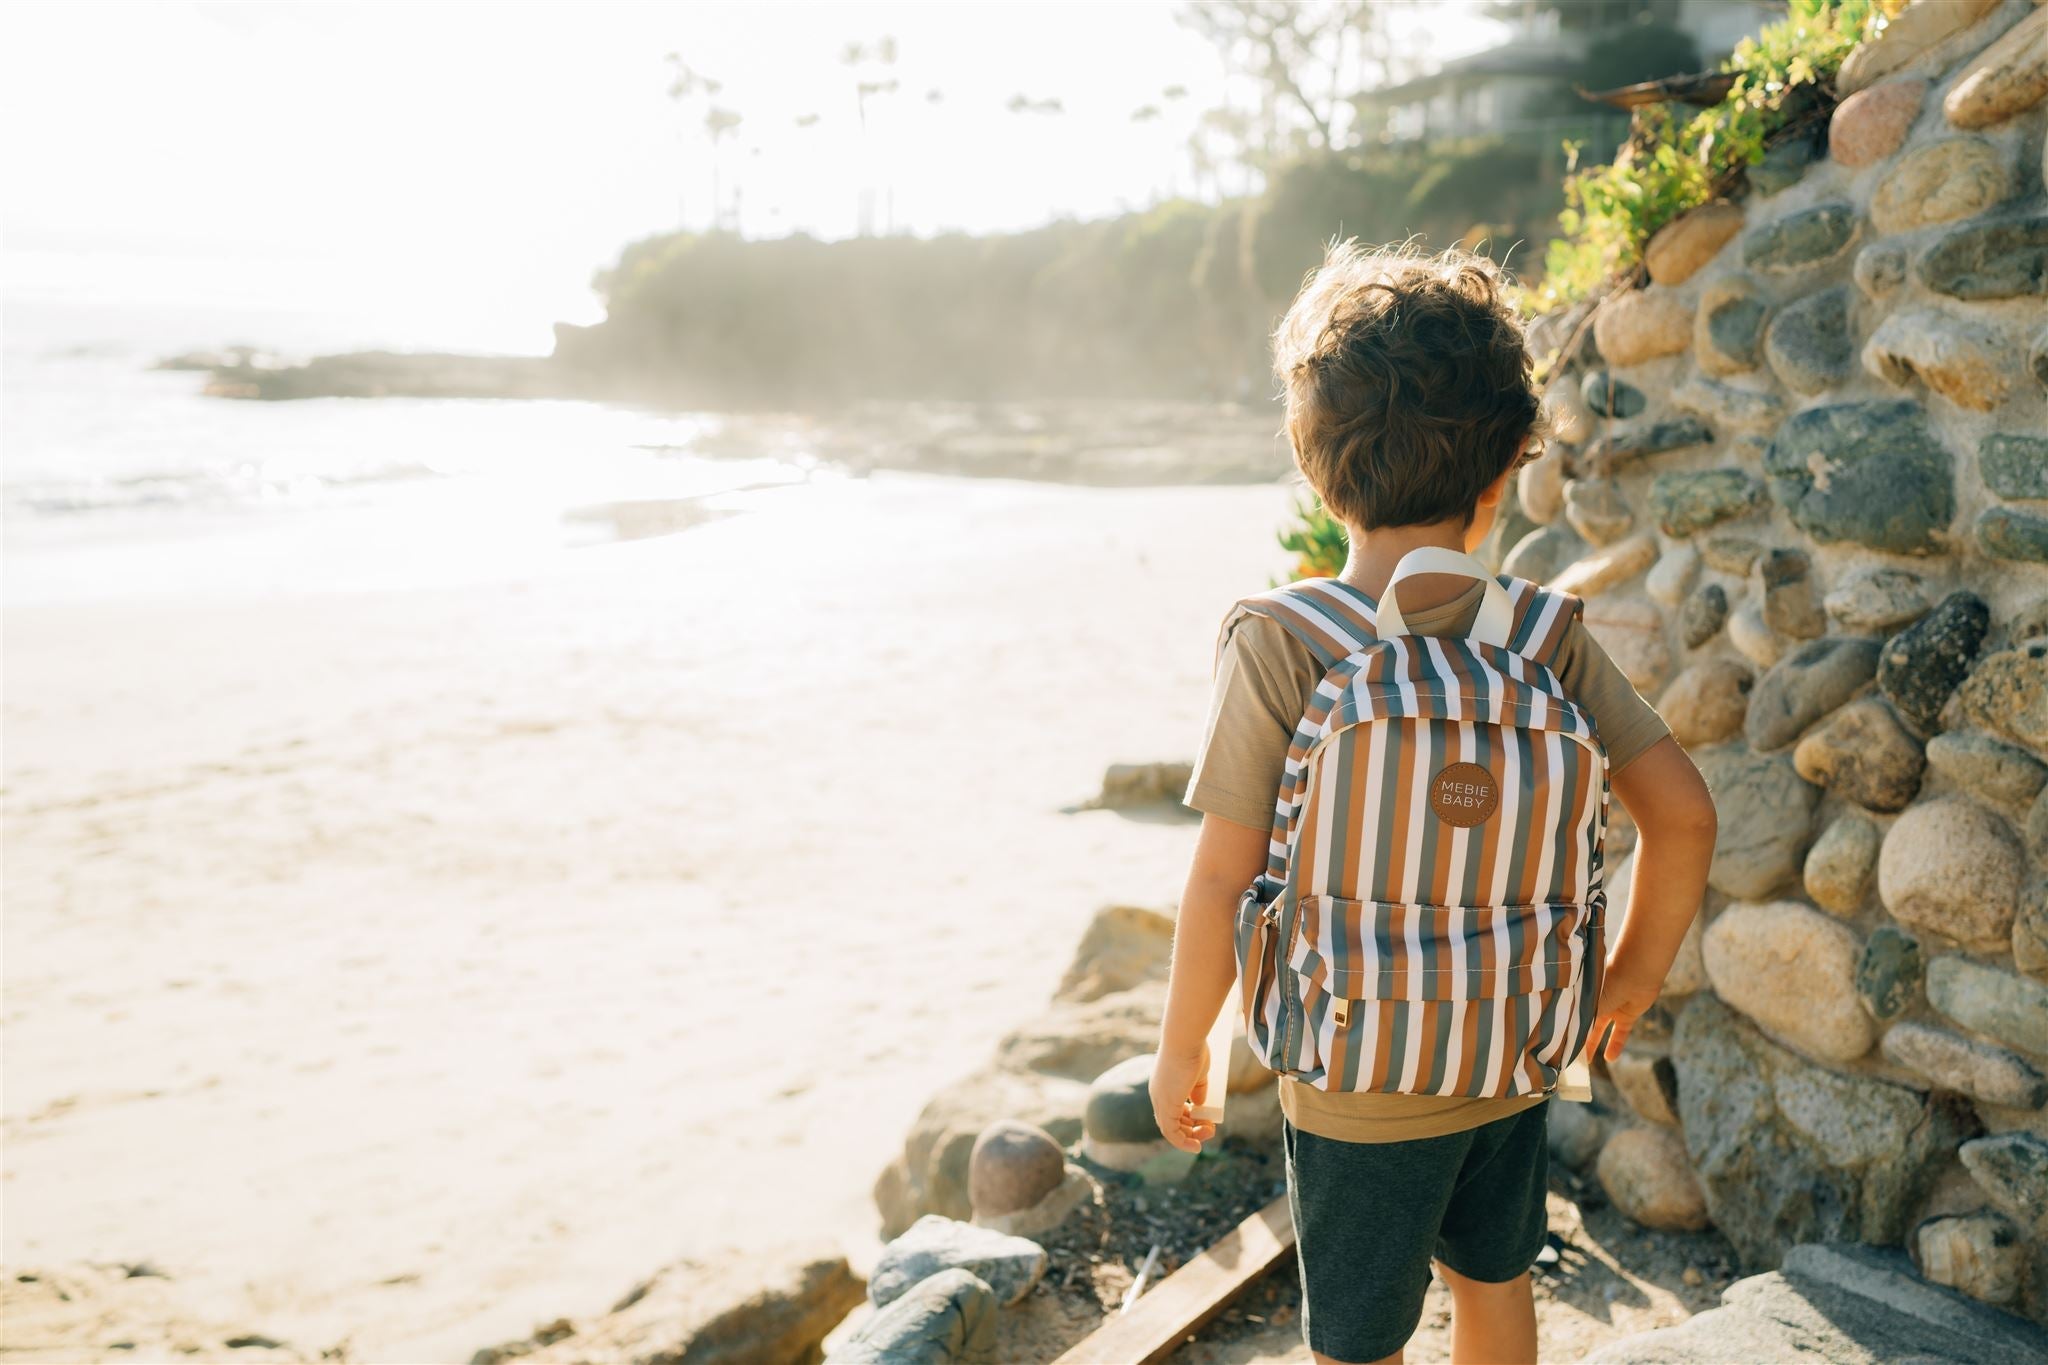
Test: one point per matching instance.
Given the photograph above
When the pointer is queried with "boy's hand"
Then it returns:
(1178, 1083)
(1623, 998)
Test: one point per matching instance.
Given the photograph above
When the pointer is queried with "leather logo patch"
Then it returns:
(1464, 794)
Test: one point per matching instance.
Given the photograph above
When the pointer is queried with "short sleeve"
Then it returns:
(1264, 679)
(1627, 724)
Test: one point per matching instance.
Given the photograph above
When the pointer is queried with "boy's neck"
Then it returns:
(1375, 553)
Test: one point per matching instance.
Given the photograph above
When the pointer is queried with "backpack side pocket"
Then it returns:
(1257, 933)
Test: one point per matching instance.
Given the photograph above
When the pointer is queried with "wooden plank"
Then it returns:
(1160, 1321)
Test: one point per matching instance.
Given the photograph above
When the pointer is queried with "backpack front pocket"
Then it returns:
(1446, 1000)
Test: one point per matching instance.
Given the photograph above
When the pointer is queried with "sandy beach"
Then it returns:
(396, 970)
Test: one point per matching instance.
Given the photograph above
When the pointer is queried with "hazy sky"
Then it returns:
(504, 151)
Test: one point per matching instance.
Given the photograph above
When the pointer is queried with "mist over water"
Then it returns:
(121, 480)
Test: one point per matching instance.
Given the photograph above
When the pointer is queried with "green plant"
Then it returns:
(1316, 540)
(1672, 163)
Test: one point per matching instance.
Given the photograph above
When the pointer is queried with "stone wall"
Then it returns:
(1801, 481)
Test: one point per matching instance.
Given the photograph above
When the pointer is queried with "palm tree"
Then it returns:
(858, 58)
(685, 86)
(718, 125)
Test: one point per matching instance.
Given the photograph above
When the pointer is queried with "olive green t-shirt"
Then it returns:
(1264, 680)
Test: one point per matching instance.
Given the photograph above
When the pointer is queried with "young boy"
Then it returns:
(1409, 407)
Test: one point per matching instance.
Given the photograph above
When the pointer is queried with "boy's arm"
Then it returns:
(1227, 856)
(1675, 824)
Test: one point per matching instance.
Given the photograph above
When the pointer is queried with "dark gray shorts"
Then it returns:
(1369, 1216)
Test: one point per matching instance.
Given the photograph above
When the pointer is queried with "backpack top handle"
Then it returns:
(1496, 620)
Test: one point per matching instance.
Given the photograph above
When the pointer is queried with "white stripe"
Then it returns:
(1412, 1062)
(1322, 587)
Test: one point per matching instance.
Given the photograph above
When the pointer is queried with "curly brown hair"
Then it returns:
(1407, 383)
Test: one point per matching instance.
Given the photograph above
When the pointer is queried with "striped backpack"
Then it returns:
(1429, 921)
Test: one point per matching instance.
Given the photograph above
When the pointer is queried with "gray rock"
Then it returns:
(1969, 364)
(1862, 754)
(1807, 344)
(948, 1319)
(1705, 704)
(1008, 1266)
(1575, 1133)
(1880, 269)
(1808, 683)
(1610, 397)
(1922, 664)
(1848, 1305)
(1749, 633)
(1889, 973)
(2030, 622)
(931, 1173)
(2030, 924)
(1793, 971)
(1539, 488)
(1632, 633)
(1542, 554)
(1607, 567)
(1951, 868)
(1124, 945)
(1787, 1151)
(2007, 693)
(1728, 407)
(1791, 598)
(1939, 182)
(1658, 438)
(1078, 1039)
(717, 1310)
(1870, 473)
(1840, 864)
(2008, 533)
(1801, 239)
(2001, 258)
(1644, 1172)
(1671, 575)
(1120, 1104)
(1987, 768)
(1981, 1071)
(1677, 251)
(2014, 466)
(1649, 1084)
(2037, 358)
(1730, 554)
(1878, 599)
(1691, 501)
(2009, 1008)
(1766, 819)
(1510, 524)
(2012, 1170)
(1639, 325)
(1125, 785)
(1703, 614)
(1979, 1253)
(2004, 80)
(2036, 829)
(1728, 329)
(1597, 510)
(1782, 167)
(1012, 1167)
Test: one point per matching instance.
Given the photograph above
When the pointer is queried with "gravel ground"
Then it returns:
(1607, 1279)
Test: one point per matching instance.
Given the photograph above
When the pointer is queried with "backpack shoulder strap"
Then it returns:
(1329, 618)
(1542, 616)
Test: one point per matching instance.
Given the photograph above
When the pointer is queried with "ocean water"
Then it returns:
(121, 481)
